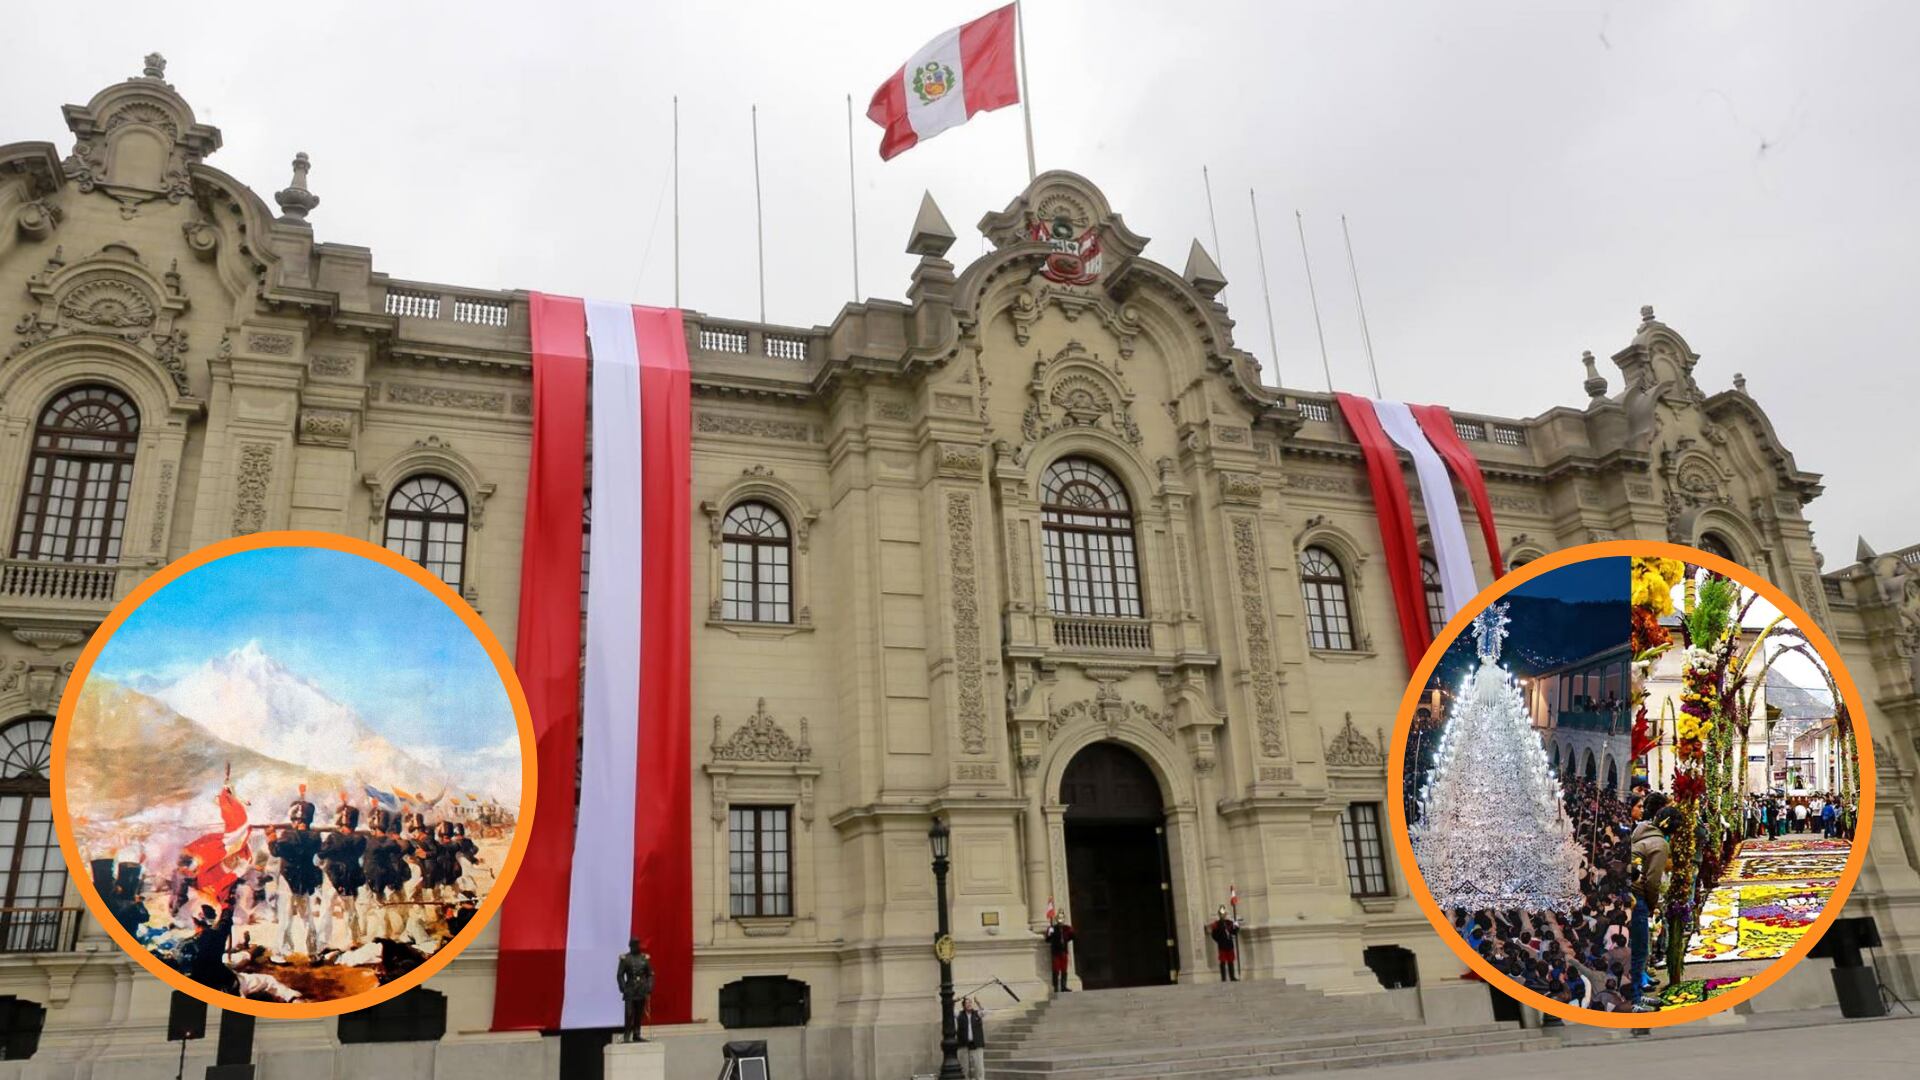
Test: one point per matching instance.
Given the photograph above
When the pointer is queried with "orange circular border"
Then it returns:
(1396, 783)
(523, 822)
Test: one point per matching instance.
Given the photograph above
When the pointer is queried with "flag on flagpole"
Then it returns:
(1051, 911)
(967, 70)
(624, 867)
(1233, 896)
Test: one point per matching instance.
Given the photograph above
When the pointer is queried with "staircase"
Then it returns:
(1224, 1031)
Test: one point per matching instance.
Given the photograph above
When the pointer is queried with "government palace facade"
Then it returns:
(1009, 546)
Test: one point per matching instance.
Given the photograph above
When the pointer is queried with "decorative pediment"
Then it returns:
(1075, 389)
(137, 141)
(1351, 749)
(111, 293)
(1108, 708)
(761, 738)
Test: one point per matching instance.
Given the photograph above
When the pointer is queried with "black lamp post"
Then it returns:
(943, 951)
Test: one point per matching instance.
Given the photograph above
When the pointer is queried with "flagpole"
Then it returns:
(1219, 259)
(676, 200)
(853, 203)
(1026, 106)
(1314, 298)
(759, 221)
(1365, 335)
(1266, 291)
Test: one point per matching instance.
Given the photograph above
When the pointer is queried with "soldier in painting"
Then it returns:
(635, 979)
(468, 851)
(386, 868)
(442, 865)
(342, 852)
(296, 845)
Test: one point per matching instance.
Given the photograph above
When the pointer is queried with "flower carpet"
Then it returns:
(1695, 991)
(1772, 894)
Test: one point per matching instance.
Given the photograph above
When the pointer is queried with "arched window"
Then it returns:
(756, 565)
(1324, 586)
(78, 477)
(1588, 766)
(1086, 525)
(32, 873)
(427, 522)
(1715, 544)
(1436, 596)
(1613, 774)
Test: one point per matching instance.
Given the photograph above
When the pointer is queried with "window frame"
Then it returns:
(754, 903)
(21, 930)
(756, 546)
(118, 463)
(1435, 593)
(1091, 563)
(398, 515)
(1363, 842)
(1317, 592)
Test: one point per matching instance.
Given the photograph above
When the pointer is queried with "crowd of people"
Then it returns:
(1586, 956)
(1823, 813)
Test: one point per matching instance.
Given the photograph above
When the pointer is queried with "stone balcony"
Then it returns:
(50, 604)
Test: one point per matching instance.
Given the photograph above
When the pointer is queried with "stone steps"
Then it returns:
(1223, 1031)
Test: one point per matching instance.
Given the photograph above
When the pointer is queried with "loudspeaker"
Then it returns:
(1859, 992)
(1844, 940)
(186, 1018)
(229, 1072)
(236, 1038)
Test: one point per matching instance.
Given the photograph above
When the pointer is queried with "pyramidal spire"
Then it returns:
(932, 236)
(1202, 272)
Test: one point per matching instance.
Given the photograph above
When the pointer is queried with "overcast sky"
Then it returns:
(1519, 177)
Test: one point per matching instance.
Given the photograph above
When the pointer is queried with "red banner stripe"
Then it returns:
(533, 920)
(889, 109)
(663, 796)
(1437, 422)
(986, 59)
(1395, 513)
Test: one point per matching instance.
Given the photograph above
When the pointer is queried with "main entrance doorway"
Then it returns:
(1117, 879)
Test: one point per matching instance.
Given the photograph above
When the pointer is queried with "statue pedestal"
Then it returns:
(636, 1061)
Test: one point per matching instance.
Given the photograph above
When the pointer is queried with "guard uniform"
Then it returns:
(1059, 939)
(1225, 932)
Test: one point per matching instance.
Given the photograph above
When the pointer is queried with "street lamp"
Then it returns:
(939, 836)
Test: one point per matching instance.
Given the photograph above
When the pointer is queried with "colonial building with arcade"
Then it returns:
(1035, 551)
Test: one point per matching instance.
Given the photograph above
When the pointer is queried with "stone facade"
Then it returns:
(285, 383)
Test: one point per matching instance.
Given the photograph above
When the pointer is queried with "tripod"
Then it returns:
(1888, 999)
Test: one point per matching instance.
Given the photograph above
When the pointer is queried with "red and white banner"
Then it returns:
(623, 867)
(1427, 434)
(967, 70)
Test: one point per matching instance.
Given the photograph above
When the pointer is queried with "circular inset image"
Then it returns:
(293, 773)
(1636, 784)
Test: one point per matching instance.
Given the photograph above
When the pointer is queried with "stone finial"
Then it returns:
(156, 66)
(1596, 384)
(1202, 272)
(295, 200)
(1646, 313)
(1864, 553)
(1739, 382)
(932, 236)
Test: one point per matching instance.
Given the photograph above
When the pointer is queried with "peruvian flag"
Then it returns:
(967, 70)
(215, 864)
(623, 867)
(1427, 435)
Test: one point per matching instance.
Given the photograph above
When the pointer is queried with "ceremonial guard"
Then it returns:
(635, 978)
(1059, 941)
(1225, 932)
(342, 854)
(296, 845)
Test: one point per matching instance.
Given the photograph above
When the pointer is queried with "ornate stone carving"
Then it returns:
(1029, 765)
(968, 668)
(1525, 504)
(331, 366)
(326, 427)
(1276, 774)
(958, 404)
(162, 507)
(1639, 489)
(252, 476)
(1074, 389)
(270, 344)
(959, 460)
(1230, 436)
(39, 218)
(1351, 749)
(446, 397)
(976, 771)
(761, 738)
(1108, 708)
(1307, 481)
(109, 305)
(1241, 488)
(752, 427)
(521, 405)
(892, 409)
(1260, 665)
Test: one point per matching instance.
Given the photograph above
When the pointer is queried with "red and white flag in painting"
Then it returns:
(967, 70)
(624, 868)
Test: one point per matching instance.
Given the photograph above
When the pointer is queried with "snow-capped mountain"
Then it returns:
(250, 699)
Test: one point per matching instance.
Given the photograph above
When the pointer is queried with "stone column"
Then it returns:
(1034, 837)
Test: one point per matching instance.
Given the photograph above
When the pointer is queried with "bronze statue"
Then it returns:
(635, 977)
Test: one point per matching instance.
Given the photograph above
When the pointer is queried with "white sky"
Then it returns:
(1519, 176)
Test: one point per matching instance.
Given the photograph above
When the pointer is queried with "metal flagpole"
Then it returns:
(676, 200)
(1219, 260)
(1266, 291)
(853, 203)
(1365, 334)
(759, 221)
(1026, 106)
(1314, 299)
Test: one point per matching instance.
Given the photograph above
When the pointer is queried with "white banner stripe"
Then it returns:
(600, 903)
(1450, 551)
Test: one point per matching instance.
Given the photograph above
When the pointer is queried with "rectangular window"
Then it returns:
(760, 860)
(1366, 858)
